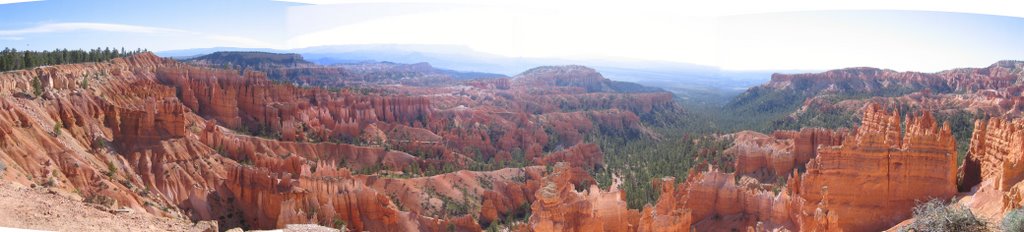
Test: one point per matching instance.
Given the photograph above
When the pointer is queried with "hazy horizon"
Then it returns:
(791, 36)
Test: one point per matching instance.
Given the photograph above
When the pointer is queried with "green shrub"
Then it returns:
(339, 224)
(100, 200)
(37, 87)
(1014, 220)
(111, 169)
(936, 216)
(57, 128)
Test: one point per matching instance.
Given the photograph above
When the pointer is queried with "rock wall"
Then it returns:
(559, 207)
(585, 155)
(130, 133)
(241, 147)
(999, 75)
(271, 200)
(157, 120)
(668, 214)
(995, 147)
(899, 171)
(494, 194)
(898, 168)
(807, 140)
(253, 101)
(993, 166)
(104, 132)
(158, 136)
(768, 158)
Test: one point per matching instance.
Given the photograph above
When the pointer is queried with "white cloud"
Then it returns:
(603, 32)
(725, 7)
(217, 39)
(107, 27)
(16, 1)
(242, 41)
(678, 31)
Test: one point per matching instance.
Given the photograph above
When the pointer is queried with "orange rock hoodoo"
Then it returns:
(899, 169)
(259, 104)
(559, 207)
(993, 167)
(272, 200)
(125, 140)
(768, 157)
(171, 139)
(667, 214)
(587, 156)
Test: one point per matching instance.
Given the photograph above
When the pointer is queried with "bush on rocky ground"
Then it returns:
(1014, 220)
(936, 216)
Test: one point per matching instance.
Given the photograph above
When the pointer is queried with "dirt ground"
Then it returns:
(38, 209)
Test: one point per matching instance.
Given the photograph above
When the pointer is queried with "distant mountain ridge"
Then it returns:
(869, 81)
(292, 67)
(829, 97)
(688, 81)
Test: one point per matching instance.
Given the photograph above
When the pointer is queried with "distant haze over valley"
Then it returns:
(706, 83)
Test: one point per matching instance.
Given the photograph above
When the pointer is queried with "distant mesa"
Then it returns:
(577, 76)
(251, 59)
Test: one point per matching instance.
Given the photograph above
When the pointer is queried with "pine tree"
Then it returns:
(12, 59)
(37, 87)
(28, 60)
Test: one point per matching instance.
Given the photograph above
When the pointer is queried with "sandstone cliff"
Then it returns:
(559, 207)
(126, 134)
(821, 97)
(770, 157)
(898, 168)
(992, 170)
(177, 140)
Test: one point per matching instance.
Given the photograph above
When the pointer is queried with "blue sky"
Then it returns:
(733, 34)
(158, 25)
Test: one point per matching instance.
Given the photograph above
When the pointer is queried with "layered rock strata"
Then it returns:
(559, 207)
(898, 169)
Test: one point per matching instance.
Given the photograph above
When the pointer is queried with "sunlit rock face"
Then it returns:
(273, 199)
(850, 80)
(874, 179)
(253, 102)
(992, 170)
(167, 138)
(867, 180)
(559, 207)
(996, 149)
(669, 213)
(769, 157)
(104, 131)
(587, 156)
(152, 135)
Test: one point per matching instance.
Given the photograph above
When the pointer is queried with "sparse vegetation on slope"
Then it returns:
(1013, 221)
(937, 216)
